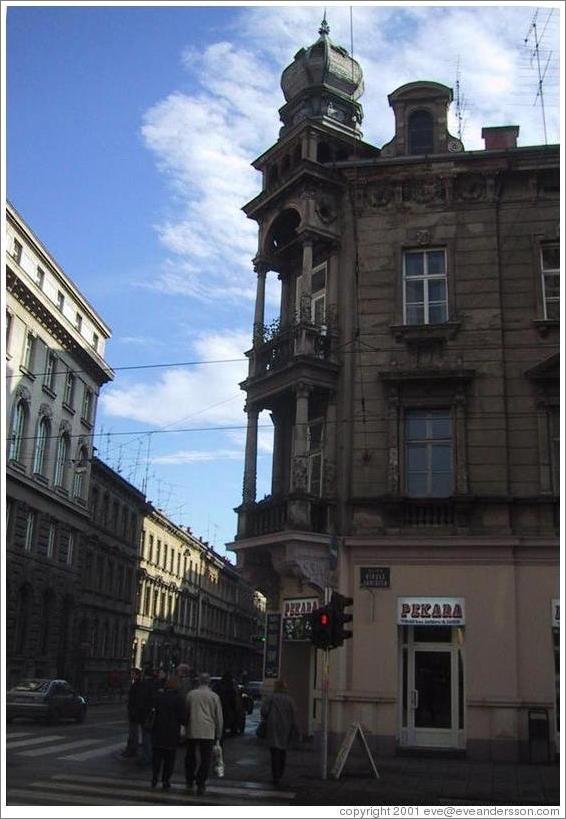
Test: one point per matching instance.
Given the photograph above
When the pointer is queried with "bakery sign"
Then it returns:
(300, 606)
(430, 611)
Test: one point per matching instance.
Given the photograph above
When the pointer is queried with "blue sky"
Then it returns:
(130, 132)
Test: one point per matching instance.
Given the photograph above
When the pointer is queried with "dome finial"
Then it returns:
(324, 29)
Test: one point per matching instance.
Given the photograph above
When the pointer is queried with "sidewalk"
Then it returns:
(403, 780)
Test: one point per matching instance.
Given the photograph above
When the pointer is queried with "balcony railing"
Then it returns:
(274, 348)
(275, 514)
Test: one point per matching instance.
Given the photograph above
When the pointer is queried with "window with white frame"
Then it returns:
(79, 478)
(62, 460)
(40, 277)
(69, 390)
(318, 295)
(41, 442)
(315, 464)
(86, 410)
(95, 341)
(70, 548)
(425, 299)
(78, 322)
(17, 435)
(30, 531)
(550, 271)
(28, 358)
(50, 370)
(60, 300)
(428, 453)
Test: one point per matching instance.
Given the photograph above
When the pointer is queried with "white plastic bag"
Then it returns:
(217, 760)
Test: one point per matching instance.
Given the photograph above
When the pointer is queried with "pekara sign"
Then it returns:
(430, 611)
(296, 618)
(299, 606)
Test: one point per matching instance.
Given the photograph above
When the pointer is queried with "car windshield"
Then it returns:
(32, 685)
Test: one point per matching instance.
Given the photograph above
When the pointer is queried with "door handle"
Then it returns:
(414, 698)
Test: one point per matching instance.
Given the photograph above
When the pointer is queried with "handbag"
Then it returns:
(261, 730)
(217, 760)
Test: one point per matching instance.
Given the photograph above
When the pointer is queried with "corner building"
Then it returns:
(413, 384)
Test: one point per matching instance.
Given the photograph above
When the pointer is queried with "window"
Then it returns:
(421, 133)
(29, 351)
(428, 453)
(80, 473)
(158, 555)
(550, 267)
(51, 533)
(318, 296)
(86, 410)
(50, 370)
(165, 556)
(315, 441)
(78, 322)
(424, 286)
(62, 460)
(18, 431)
(9, 320)
(60, 300)
(39, 457)
(40, 277)
(30, 531)
(95, 341)
(17, 251)
(150, 555)
(69, 390)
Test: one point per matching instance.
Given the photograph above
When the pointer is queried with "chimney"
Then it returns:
(500, 137)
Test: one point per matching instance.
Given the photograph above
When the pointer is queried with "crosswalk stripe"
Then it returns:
(23, 743)
(106, 749)
(141, 795)
(19, 796)
(16, 734)
(237, 790)
(55, 749)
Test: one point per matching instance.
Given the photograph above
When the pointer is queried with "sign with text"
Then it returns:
(355, 730)
(296, 618)
(375, 577)
(272, 659)
(430, 611)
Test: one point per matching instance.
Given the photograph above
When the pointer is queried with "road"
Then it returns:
(80, 764)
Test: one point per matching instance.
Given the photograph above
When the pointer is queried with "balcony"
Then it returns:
(276, 347)
(277, 514)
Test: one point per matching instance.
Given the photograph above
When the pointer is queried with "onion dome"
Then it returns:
(323, 82)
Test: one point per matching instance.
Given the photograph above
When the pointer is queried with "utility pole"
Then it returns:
(325, 684)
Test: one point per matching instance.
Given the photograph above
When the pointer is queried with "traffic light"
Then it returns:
(339, 618)
(321, 627)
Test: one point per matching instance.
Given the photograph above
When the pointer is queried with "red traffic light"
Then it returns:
(324, 619)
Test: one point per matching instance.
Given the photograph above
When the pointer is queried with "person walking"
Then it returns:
(231, 702)
(147, 693)
(204, 727)
(280, 714)
(134, 726)
(168, 716)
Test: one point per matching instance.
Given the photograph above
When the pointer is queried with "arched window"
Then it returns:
(41, 441)
(421, 133)
(80, 473)
(17, 434)
(62, 460)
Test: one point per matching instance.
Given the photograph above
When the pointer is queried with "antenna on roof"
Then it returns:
(324, 27)
(460, 102)
(533, 35)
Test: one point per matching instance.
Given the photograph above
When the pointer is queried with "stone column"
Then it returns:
(261, 270)
(330, 436)
(299, 477)
(277, 455)
(250, 466)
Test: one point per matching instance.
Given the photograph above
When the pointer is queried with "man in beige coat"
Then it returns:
(204, 726)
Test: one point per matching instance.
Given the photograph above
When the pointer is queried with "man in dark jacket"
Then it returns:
(169, 715)
(147, 691)
(131, 748)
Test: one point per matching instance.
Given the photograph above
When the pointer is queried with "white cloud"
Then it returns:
(202, 395)
(187, 456)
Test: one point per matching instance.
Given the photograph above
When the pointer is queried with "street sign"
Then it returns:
(272, 659)
(355, 730)
(375, 577)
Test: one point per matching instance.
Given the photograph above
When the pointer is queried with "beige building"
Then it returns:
(193, 607)
(413, 385)
(54, 370)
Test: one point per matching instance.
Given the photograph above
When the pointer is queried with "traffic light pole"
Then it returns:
(325, 683)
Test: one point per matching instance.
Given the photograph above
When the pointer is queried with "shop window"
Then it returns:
(550, 272)
(421, 133)
(424, 286)
(428, 453)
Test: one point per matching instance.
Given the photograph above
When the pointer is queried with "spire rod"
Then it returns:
(324, 29)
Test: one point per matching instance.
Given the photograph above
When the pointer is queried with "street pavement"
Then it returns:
(70, 764)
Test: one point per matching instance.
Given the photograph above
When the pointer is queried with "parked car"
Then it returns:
(50, 700)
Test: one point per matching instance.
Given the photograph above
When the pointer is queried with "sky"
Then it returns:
(130, 132)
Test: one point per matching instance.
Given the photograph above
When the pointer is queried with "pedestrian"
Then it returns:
(168, 716)
(147, 692)
(204, 727)
(280, 714)
(134, 726)
(183, 672)
(231, 702)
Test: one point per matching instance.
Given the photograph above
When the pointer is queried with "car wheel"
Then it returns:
(81, 715)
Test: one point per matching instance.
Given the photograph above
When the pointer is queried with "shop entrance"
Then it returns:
(432, 683)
